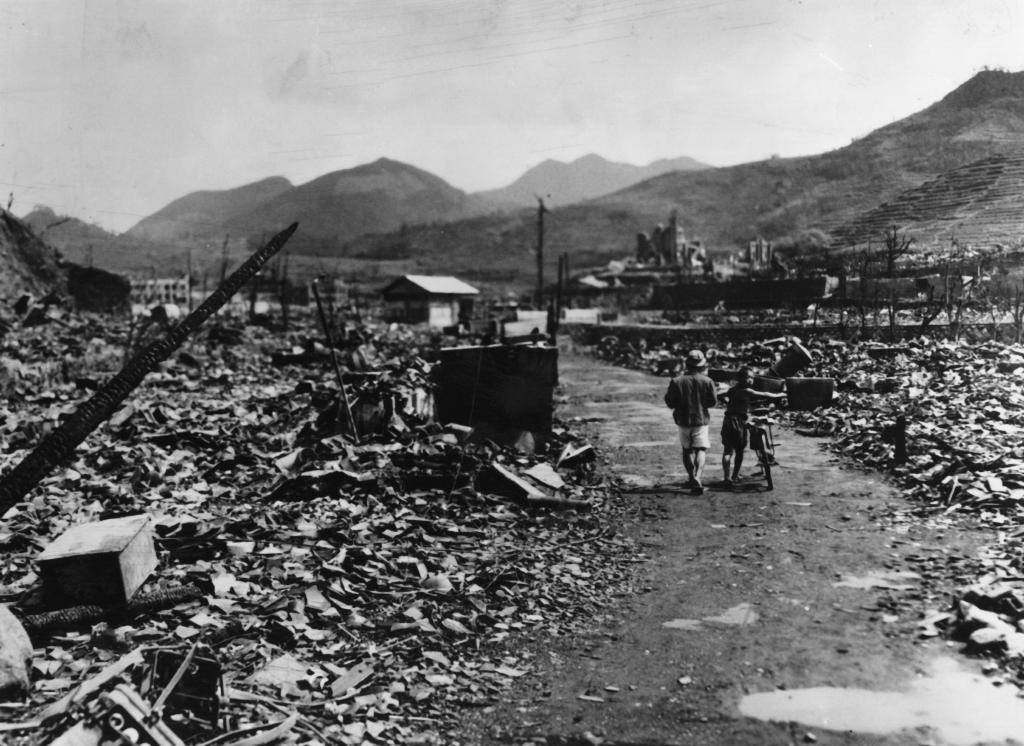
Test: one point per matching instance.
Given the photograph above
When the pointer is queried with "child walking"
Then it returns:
(734, 431)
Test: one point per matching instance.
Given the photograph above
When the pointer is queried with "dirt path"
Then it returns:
(739, 596)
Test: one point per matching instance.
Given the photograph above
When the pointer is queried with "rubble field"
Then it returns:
(317, 585)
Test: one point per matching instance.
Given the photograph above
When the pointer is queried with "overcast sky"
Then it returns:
(110, 109)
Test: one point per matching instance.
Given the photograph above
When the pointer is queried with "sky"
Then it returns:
(110, 109)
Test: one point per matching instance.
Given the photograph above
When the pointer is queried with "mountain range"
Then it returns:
(378, 197)
(561, 184)
(400, 218)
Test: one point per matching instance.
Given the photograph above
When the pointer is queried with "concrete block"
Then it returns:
(101, 563)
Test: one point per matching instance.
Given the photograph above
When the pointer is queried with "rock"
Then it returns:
(439, 583)
(975, 618)
(988, 639)
(1015, 645)
(15, 656)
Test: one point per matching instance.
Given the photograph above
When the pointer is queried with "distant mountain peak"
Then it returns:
(584, 178)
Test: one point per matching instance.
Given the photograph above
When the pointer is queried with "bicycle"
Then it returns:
(762, 442)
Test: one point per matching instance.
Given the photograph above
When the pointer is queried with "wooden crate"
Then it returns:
(101, 563)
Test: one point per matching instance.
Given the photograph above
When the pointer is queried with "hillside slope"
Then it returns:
(76, 240)
(27, 264)
(562, 184)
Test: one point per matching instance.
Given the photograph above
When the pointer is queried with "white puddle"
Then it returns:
(737, 615)
(688, 624)
(880, 579)
(635, 480)
(956, 705)
(650, 444)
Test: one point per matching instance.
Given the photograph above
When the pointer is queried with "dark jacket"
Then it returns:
(689, 396)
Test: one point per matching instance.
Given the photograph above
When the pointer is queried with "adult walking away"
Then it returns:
(734, 429)
(690, 396)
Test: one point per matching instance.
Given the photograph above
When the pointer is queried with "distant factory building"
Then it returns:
(153, 290)
(424, 299)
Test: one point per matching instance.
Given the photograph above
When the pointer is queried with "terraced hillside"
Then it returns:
(981, 204)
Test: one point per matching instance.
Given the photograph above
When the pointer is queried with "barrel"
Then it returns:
(723, 375)
(793, 360)
(806, 394)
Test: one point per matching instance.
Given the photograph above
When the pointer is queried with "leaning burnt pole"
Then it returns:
(58, 446)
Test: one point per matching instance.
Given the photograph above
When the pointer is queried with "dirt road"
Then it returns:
(758, 617)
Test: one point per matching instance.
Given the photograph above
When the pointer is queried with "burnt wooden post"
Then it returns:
(342, 392)
(900, 440)
(58, 446)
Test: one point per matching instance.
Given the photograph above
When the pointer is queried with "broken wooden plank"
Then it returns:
(544, 475)
(574, 456)
(498, 480)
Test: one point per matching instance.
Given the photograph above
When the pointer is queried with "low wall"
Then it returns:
(720, 336)
(740, 294)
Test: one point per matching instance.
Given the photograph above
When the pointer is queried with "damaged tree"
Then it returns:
(894, 247)
(58, 446)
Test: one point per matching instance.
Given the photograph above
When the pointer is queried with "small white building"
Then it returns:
(427, 299)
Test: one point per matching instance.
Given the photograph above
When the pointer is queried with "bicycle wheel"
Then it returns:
(762, 456)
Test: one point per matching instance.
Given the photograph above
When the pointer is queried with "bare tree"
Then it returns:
(894, 246)
(862, 265)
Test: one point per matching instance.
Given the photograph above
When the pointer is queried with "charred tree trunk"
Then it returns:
(58, 446)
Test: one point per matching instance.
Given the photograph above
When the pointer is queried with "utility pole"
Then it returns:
(188, 281)
(540, 251)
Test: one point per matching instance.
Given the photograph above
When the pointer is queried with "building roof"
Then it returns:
(434, 284)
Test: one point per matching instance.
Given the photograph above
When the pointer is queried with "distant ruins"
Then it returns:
(666, 246)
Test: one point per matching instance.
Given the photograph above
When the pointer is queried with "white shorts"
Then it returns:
(694, 437)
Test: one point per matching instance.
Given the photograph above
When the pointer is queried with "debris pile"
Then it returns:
(356, 587)
(963, 410)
